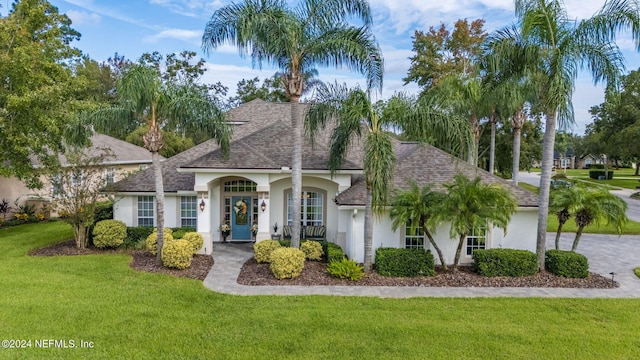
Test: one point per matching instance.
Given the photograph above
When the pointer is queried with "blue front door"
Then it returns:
(241, 218)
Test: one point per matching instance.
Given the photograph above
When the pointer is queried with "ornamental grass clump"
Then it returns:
(345, 269)
(109, 233)
(312, 250)
(152, 240)
(287, 263)
(195, 240)
(177, 254)
(263, 249)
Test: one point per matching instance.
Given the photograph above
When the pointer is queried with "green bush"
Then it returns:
(109, 233)
(566, 263)
(137, 234)
(345, 269)
(177, 254)
(152, 240)
(404, 262)
(504, 262)
(285, 242)
(637, 271)
(331, 251)
(263, 249)
(312, 250)
(286, 263)
(596, 174)
(104, 211)
(178, 234)
(195, 240)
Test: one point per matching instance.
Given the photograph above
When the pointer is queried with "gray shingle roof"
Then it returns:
(261, 140)
(124, 152)
(426, 164)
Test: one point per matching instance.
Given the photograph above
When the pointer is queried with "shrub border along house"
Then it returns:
(567, 263)
(504, 262)
(404, 262)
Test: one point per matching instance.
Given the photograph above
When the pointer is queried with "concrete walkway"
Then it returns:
(606, 253)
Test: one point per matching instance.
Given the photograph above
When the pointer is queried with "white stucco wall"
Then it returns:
(521, 234)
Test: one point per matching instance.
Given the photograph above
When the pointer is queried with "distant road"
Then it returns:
(633, 209)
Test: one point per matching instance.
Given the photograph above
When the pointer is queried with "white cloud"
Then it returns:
(110, 12)
(190, 36)
(81, 17)
(190, 8)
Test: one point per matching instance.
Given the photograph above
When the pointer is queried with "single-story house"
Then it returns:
(588, 160)
(125, 159)
(253, 186)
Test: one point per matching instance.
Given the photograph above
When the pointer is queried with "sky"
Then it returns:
(134, 27)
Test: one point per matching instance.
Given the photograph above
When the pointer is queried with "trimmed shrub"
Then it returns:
(566, 263)
(177, 254)
(104, 211)
(596, 174)
(331, 251)
(152, 240)
(287, 263)
(504, 262)
(137, 234)
(263, 249)
(312, 250)
(178, 234)
(285, 242)
(404, 262)
(109, 233)
(194, 239)
(345, 269)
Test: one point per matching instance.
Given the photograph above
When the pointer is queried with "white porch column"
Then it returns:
(204, 220)
(264, 227)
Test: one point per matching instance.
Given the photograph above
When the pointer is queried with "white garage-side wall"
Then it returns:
(521, 234)
(124, 209)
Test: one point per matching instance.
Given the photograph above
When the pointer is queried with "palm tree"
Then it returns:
(356, 117)
(563, 202)
(551, 47)
(420, 208)
(598, 205)
(472, 205)
(143, 95)
(296, 40)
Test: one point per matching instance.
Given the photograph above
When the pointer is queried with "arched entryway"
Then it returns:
(239, 207)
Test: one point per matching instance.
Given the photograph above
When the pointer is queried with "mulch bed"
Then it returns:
(141, 260)
(315, 273)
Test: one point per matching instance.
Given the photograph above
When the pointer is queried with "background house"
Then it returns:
(127, 158)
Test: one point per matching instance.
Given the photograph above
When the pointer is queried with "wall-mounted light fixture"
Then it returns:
(263, 206)
(202, 204)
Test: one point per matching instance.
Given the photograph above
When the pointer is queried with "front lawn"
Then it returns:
(128, 314)
(631, 227)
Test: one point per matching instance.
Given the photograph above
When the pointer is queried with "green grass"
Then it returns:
(534, 189)
(631, 228)
(128, 314)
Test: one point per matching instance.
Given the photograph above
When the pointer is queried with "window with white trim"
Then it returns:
(414, 238)
(312, 213)
(57, 187)
(189, 211)
(110, 176)
(76, 178)
(146, 210)
(477, 240)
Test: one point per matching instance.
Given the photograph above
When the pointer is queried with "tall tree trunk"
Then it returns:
(443, 262)
(574, 247)
(492, 147)
(297, 117)
(458, 252)
(558, 235)
(517, 122)
(157, 168)
(368, 231)
(153, 141)
(472, 156)
(81, 236)
(545, 184)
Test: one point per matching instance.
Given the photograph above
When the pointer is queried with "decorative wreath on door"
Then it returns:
(240, 207)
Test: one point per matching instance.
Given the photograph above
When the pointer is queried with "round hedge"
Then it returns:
(287, 263)
(109, 233)
(312, 250)
(263, 249)
(152, 240)
(177, 254)
(195, 240)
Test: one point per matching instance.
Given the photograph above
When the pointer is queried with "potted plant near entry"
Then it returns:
(275, 235)
(225, 230)
(254, 231)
